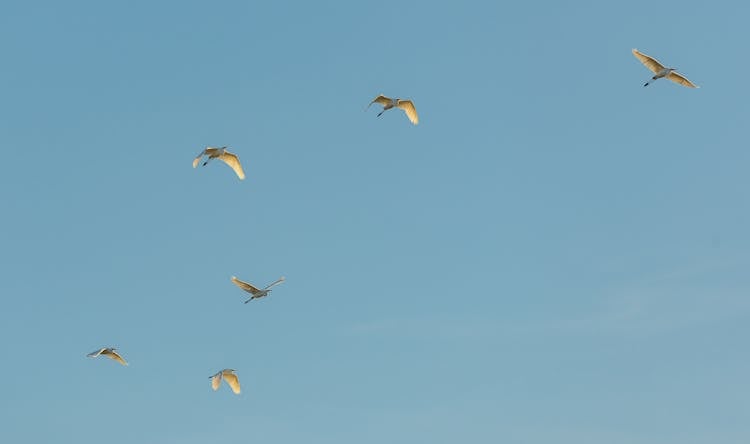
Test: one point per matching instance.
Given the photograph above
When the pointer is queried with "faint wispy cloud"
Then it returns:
(678, 298)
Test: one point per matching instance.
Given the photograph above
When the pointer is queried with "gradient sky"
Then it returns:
(554, 254)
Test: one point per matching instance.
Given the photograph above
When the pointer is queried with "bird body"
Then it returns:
(227, 375)
(225, 156)
(256, 292)
(387, 102)
(660, 70)
(662, 73)
(108, 352)
(406, 105)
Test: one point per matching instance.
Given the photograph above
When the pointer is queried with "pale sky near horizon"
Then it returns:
(554, 254)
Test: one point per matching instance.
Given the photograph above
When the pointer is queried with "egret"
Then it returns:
(228, 375)
(406, 105)
(108, 352)
(660, 70)
(257, 293)
(225, 156)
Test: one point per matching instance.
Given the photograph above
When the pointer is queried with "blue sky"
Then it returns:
(554, 254)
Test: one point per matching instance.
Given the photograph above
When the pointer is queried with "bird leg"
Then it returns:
(381, 112)
(649, 82)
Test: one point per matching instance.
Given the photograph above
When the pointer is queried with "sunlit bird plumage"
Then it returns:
(108, 352)
(229, 377)
(256, 292)
(660, 70)
(225, 156)
(406, 105)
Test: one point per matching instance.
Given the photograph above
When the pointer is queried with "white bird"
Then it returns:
(660, 70)
(257, 293)
(229, 376)
(225, 156)
(108, 352)
(406, 105)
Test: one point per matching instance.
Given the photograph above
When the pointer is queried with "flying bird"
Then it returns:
(228, 375)
(257, 293)
(660, 70)
(406, 105)
(225, 156)
(108, 352)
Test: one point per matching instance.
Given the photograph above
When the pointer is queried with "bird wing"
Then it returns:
(216, 381)
(409, 109)
(278, 281)
(232, 380)
(679, 78)
(244, 285)
(114, 355)
(381, 99)
(234, 162)
(198, 157)
(96, 353)
(650, 62)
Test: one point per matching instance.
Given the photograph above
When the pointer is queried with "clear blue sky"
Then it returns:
(554, 254)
